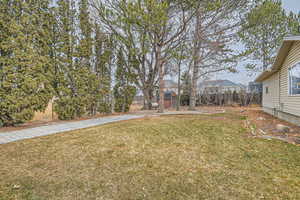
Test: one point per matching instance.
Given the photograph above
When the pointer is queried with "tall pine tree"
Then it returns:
(24, 87)
(263, 31)
(85, 55)
(124, 92)
(103, 67)
(72, 89)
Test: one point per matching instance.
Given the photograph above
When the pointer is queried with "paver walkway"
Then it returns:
(11, 136)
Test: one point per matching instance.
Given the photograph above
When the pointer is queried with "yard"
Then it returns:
(167, 157)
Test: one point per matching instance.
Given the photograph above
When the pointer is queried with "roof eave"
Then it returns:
(292, 38)
(263, 76)
(280, 58)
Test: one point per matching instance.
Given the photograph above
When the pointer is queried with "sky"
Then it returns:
(242, 76)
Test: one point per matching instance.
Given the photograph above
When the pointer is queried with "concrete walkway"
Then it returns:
(12, 136)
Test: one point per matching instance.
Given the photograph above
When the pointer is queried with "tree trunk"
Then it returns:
(147, 99)
(161, 91)
(194, 88)
(178, 87)
(112, 101)
(195, 68)
(264, 48)
(124, 104)
(161, 80)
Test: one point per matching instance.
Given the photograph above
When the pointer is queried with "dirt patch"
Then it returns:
(266, 123)
(263, 124)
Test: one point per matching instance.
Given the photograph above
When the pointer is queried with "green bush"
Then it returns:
(124, 97)
(69, 108)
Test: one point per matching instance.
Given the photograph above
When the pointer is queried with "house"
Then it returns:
(219, 87)
(170, 95)
(170, 99)
(254, 87)
(281, 84)
(170, 86)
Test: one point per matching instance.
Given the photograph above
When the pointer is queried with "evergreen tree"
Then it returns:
(186, 84)
(85, 52)
(85, 43)
(52, 53)
(103, 65)
(294, 23)
(24, 87)
(265, 27)
(56, 74)
(84, 62)
(72, 89)
(124, 92)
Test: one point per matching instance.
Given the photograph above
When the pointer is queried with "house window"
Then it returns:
(294, 80)
(267, 90)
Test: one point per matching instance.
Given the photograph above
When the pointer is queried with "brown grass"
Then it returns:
(176, 157)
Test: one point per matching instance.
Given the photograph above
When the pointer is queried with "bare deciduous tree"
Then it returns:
(215, 29)
(148, 31)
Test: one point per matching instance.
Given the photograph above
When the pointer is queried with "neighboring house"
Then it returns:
(243, 87)
(170, 98)
(254, 87)
(170, 86)
(170, 90)
(281, 84)
(220, 86)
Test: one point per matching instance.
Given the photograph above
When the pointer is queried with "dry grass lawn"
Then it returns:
(168, 158)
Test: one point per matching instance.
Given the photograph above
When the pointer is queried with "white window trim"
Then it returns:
(289, 82)
(267, 90)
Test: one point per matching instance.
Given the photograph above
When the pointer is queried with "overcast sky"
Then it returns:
(242, 76)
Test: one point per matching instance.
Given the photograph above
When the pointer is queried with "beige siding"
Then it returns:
(271, 99)
(289, 104)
